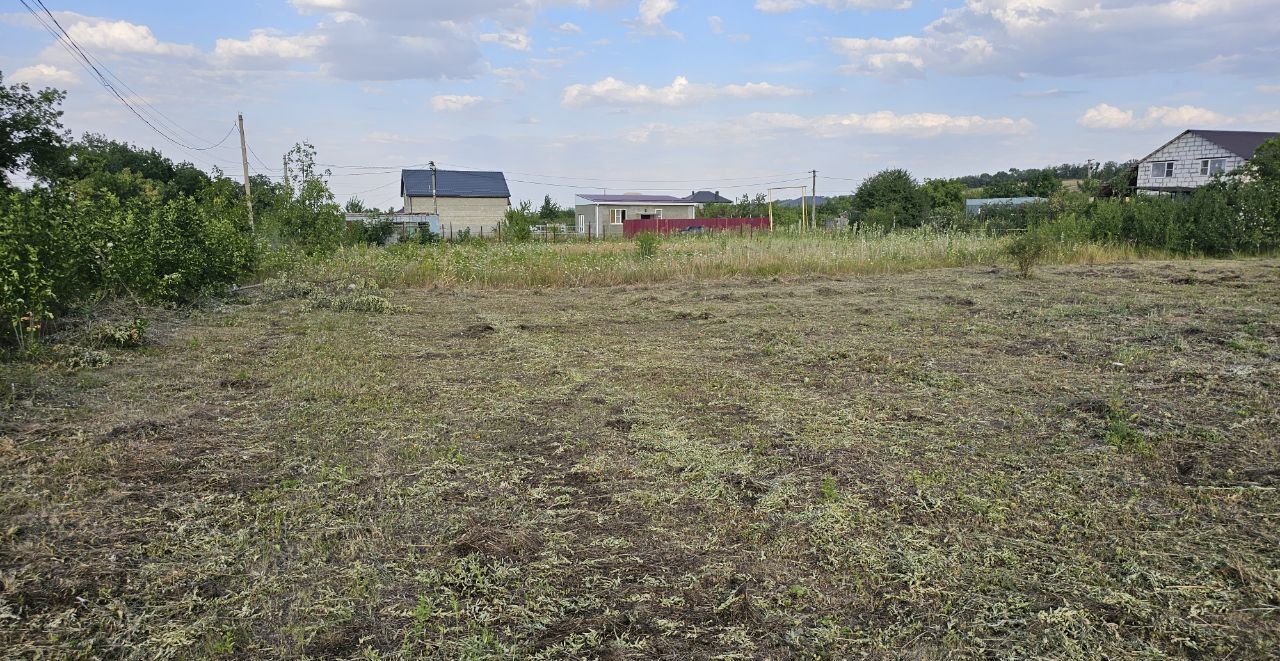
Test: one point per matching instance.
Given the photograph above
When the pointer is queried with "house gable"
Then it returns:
(1185, 152)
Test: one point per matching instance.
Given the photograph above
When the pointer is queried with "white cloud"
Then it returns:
(569, 28)
(267, 46)
(1108, 117)
(1077, 37)
(515, 40)
(98, 35)
(783, 6)
(45, 74)
(1105, 116)
(908, 57)
(613, 92)
(453, 102)
(886, 122)
(1269, 89)
(649, 19)
(716, 24)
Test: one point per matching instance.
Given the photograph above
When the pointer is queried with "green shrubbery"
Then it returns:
(58, 250)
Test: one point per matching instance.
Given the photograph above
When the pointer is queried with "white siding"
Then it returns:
(1186, 153)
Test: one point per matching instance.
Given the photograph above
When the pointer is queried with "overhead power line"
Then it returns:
(103, 76)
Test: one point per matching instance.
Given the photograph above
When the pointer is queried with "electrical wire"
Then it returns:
(87, 62)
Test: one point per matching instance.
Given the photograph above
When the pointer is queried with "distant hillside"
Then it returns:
(795, 203)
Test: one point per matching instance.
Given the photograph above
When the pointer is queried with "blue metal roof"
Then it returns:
(454, 183)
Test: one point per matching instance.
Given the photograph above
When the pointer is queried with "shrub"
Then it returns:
(1027, 249)
(647, 244)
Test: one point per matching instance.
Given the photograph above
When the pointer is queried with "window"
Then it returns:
(1210, 166)
(619, 215)
(657, 213)
(1162, 169)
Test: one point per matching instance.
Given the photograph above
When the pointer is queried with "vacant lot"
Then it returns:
(945, 463)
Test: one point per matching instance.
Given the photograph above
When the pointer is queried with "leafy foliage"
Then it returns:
(890, 199)
(31, 134)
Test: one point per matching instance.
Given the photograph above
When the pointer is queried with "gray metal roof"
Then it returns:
(634, 199)
(707, 197)
(1240, 143)
(454, 183)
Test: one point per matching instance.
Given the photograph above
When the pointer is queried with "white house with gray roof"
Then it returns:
(603, 215)
(1190, 160)
(464, 200)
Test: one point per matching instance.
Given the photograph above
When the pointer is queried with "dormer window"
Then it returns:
(1162, 169)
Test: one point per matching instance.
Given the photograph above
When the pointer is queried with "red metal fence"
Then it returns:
(631, 228)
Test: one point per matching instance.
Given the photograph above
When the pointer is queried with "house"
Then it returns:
(707, 197)
(465, 201)
(975, 206)
(603, 215)
(1190, 160)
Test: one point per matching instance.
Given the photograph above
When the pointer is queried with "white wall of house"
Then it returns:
(459, 213)
(1187, 154)
(585, 215)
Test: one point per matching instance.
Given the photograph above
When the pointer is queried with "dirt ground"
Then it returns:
(949, 463)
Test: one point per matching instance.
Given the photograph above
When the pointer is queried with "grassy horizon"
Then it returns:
(679, 259)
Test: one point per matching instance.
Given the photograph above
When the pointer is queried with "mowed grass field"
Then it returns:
(947, 463)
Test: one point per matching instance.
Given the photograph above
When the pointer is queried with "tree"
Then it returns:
(1042, 183)
(308, 217)
(31, 133)
(894, 194)
(1004, 188)
(549, 210)
(945, 194)
(354, 205)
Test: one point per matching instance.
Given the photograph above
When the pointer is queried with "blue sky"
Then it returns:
(647, 95)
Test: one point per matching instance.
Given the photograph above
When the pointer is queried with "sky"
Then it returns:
(659, 96)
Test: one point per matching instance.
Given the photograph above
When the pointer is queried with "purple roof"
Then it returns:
(633, 199)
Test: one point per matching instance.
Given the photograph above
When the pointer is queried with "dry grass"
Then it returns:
(679, 259)
(946, 463)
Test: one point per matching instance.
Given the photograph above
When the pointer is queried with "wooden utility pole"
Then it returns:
(244, 161)
(288, 185)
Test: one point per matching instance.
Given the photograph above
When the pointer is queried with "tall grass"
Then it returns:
(690, 258)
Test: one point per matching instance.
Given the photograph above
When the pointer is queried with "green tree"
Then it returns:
(896, 193)
(1004, 188)
(1042, 183)
(31, 133)
(307, 217)
(549, 211)
(944, 194)
(354, 205)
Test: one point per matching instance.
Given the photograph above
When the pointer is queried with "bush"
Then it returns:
(1027, 249)
(58, 250)
(647, 245)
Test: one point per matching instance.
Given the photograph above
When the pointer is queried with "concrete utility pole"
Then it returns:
(435, 202)
(288, 185)
(813, 196)
(244, 160)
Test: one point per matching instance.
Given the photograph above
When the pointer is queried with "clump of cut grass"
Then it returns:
(128, 335)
